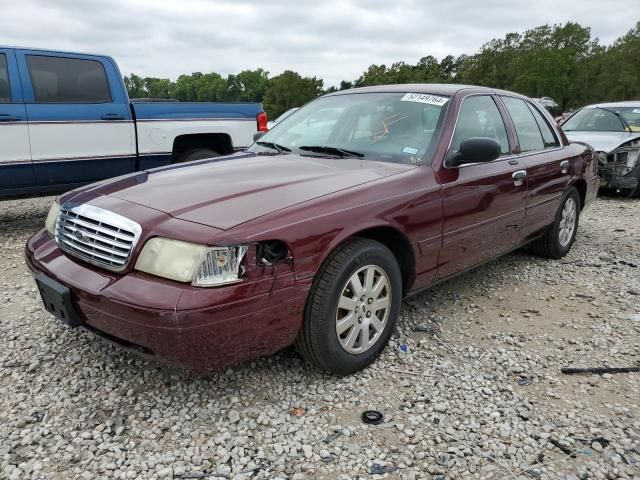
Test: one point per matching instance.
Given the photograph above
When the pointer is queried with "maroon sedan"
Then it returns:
(315, 234)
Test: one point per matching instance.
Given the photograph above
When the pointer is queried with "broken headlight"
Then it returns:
(200, 265)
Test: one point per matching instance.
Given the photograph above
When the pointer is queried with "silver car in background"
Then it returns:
(613, 130)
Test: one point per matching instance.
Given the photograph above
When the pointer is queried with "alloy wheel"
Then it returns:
(363, 309)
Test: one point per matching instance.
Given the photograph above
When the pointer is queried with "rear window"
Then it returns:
(5, 93)
(548, 136)
(527, 128)
(68, 80)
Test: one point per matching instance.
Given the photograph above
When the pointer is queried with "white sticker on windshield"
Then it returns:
(636, 110)
(425, 98)
(410, 150)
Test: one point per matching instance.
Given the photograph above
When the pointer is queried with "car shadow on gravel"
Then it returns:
(18, 220)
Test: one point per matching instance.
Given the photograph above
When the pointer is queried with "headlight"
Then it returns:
(189, 262)
(220, 265)
(52, 218)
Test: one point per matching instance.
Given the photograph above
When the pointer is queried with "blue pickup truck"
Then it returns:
(66, 120)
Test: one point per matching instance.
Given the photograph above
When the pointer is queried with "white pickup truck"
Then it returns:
(66, 120)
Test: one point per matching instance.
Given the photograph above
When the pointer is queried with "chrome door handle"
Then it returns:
(564, 166)
(518, 177)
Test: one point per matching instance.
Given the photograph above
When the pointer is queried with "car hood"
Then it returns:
(223, 193)
(602, 141)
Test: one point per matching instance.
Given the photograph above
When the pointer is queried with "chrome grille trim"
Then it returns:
(97, 236)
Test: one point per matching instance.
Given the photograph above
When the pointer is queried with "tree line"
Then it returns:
(560, 61)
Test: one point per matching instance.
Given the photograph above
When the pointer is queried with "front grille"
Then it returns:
(96, 235)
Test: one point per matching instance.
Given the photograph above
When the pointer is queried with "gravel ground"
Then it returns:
(470, 385)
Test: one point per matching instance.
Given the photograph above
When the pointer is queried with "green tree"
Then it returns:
(134, 85)
(248, 85)
(289, 90)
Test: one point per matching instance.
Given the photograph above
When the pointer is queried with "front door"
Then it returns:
(80, 123)
(16, 171)
(484, 203)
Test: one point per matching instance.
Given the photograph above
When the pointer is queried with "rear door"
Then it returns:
(80, 122)
(16, 171)
(548, 169)
(484, 204)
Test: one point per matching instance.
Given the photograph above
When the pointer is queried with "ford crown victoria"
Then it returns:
(315, 234)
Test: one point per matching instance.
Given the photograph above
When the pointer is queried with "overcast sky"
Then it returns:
(331, 39)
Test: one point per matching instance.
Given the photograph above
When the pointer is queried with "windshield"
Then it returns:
(285, 115)
(609, 119)
(390, 127)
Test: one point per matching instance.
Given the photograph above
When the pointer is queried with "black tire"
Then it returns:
(197, 154)
(317, 340)
(549, 244)
(635, 193)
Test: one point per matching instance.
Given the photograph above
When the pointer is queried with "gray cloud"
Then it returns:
(331, 39)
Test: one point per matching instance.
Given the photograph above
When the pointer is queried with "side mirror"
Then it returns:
(258, 135)
(474, 150)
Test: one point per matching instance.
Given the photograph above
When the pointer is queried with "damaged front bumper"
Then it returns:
(620, 168)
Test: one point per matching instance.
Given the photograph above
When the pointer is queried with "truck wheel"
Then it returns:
(352, 307)
(197, 154)
(558, 239)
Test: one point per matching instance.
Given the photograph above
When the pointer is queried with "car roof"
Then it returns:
(49, 50)
(448, 89)
(627, 103)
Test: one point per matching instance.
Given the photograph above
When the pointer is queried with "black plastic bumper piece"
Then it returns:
(57, 300)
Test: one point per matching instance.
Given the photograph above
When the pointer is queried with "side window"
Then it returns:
(479, 117)
(529, 135)
(5, 93)
(548, 136)
(68, 80)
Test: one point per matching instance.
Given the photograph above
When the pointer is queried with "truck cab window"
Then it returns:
(5, 93)
(68, 80)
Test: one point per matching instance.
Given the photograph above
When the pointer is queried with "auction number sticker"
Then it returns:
(425, 98)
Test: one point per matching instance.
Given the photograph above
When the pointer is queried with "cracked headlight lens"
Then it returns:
(220, 265)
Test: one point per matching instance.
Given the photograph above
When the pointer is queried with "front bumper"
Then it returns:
(618, 176)
(196, 327)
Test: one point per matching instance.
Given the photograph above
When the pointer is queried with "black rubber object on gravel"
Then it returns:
(372, 417)
(317, 341)
(549, 245)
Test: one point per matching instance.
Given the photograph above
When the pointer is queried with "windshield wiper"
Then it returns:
(274, 146)
(341, 152)
(623, 121)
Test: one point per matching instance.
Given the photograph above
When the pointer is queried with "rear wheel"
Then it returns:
(558, 239)
(352, 307)
(197, 154)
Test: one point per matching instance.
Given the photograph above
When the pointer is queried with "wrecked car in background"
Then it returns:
(552, 107)
(613, 130)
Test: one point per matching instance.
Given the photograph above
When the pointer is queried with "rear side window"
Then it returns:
(548, 136)
(479, 117)
(5, 93)
(529, 135)
(68, 80)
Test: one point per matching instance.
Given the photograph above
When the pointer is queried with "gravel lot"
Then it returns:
(470, 385)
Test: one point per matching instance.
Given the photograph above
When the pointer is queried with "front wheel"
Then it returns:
(352, 307)
(559, 237)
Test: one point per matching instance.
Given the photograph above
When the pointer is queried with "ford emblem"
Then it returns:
(80, 235)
